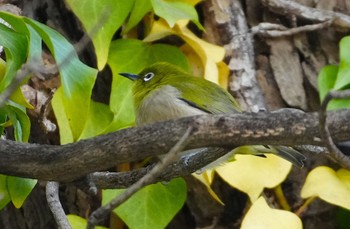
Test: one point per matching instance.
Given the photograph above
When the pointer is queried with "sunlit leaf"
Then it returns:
(330, 186)
(261, 216)
(19, 189)
(251, 174)
(66, 135)
(153, 206)
(77, 79)
(78, 222)
(173, 11)
(209, 54)
(108, 15)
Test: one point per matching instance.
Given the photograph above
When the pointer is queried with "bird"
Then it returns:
(163, 91)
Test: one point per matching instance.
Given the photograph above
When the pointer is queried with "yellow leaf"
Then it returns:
(261, 216)
(251, 174)
(330, 186)
(209, 54)
(224, 73)
(193, 59)
(206, 178)
(159, 30)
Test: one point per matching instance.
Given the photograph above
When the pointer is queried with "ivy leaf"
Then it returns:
(330, 186)
(16, 46)
(4, 194)
(20, 121)
(77, 79)
(153, 206)
(99, 118)
(173, 11)
(326, 82)
(139, 10)
(108, 15)
(78, 222)
(260, 215)
(19, 189)
(252, 174)
(209, 55)
(343, 79)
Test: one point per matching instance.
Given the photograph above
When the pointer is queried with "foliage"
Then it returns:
(153, 206)
(80, 117)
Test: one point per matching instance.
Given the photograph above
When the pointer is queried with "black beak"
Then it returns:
(130, 76)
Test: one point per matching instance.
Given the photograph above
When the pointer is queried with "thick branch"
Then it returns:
(72, 161)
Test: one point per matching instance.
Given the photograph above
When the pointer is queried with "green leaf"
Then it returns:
(19, 25)
(20, 121)
(99, 118)
(16, 47)
(342, 218)
(139, 10)
(153, 206)
(173, 11)
(4, 194)
(78, 222)
(108, 15)
(34, 52)
(77, 79)
(129, 55)
(66, 135)
(3, 120)
(19, 189)
(326, 79)
(326, 82)
(343, 79)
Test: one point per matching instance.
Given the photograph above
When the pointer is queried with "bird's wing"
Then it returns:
(209, 97)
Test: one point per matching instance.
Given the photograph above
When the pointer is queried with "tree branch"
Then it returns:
(299, 10)
(73, 161)
(53, 200)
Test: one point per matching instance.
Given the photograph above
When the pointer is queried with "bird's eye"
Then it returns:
(148, 76)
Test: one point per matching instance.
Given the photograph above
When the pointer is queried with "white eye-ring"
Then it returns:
(148, 76)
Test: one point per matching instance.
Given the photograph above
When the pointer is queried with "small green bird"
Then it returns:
(163, 92)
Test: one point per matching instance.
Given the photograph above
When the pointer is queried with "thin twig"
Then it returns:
(334, 152)
(274, 30)
(54, 203)
(101, 212)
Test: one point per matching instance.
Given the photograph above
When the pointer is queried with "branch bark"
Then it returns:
(72, 161)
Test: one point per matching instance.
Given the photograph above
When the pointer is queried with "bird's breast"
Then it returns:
(163, 104)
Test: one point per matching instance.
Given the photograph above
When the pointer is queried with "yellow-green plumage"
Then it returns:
(163, 91)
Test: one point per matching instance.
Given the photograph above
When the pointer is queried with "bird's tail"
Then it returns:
(284, 152)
